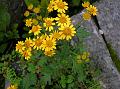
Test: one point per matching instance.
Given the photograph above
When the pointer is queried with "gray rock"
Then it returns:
(109, 20)
(110, 78)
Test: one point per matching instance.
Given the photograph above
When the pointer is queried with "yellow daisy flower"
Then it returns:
(50, 6)
(48, 23)
(86, 16)
(92, 10)
(12, 87)
(35, 29)
(30, 7)
(28, 22)
(56, 35)
(38, 42)
(86, 4)
(27, 54)
(60, 6)
(49, 44)
(28, 43)
(35, 21)
(49, 53)
(62, 19)
(26, 14)
(36, 10)
(67, 31)
(20, 46)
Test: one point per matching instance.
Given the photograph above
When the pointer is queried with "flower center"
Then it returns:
(27, 43)
(48, 23)
(63, 19)
(92, 10)
(60, 5)
(56, 35)
(25, 53)
(49, 43)
(67, 31)
(34, 29)
(38, 42)
(28, 22)
(19, 46)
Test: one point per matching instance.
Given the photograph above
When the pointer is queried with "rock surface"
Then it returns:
(110, 78)
(109, 20)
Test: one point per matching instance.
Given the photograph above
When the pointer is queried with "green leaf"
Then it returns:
(46, 78)
(63, 81)
(34, 2)
(1, 36)
(31, 67)
(29, 80)
(42, 62)
(44, 4)
(70, 79)
(82, 33)
(4, 18)
(3, 47)
(76, 2)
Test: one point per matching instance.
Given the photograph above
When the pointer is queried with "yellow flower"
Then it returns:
(67, 31)
(49, 44)
(86, 53)
(27, 54)
(36, 10)
(56, 35)
(26, 14)
(92, 10)
(35, 21)
(62, 19)
(86, 16)
(12, 87)
(39, 17)
(49, 53)
(79, 61)
(38, 42)
(60, 6)
(50, 6)
(49, 23)
(86, 4)
(84, 57)
(78, 57)
(30, 7)
(20, 46)
(28, 43)
(28, 22)
(35, 29)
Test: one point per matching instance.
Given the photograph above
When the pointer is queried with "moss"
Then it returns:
(114, 56)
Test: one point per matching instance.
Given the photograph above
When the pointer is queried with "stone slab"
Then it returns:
(110, 78)
(109, 20)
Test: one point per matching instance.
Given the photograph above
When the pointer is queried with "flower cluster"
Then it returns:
(46, 31)
(83, 57)
(91, 11)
